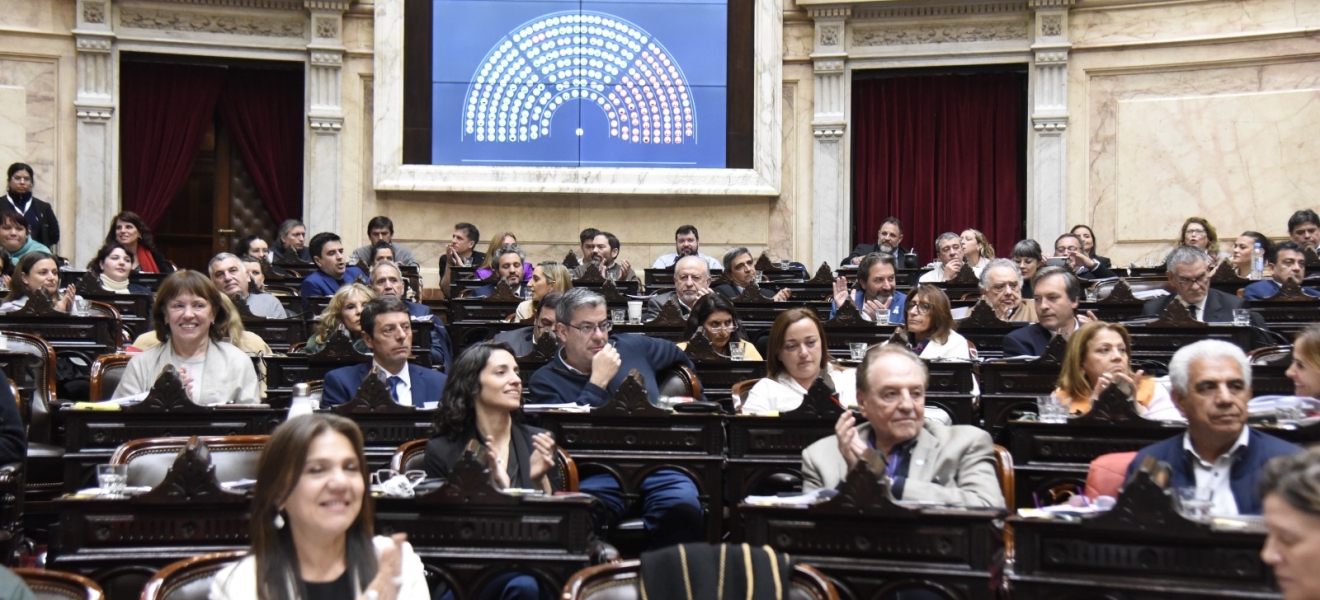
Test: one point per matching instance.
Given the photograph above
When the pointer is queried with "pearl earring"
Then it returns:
(279, 521)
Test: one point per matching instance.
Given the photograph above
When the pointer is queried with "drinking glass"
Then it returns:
(882, 317)
(1241, 317)
(112, 479)
(617, 315)
(1195, 503)
(1051, 409)
(1288, 411)
(857, 350)
(737, 351)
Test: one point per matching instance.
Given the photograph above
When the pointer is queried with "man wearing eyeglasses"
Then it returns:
(691, 282)
(387, 329)
(1188, 270)
(740, 270)
(1069, 246)
(588, 370)
(925, 460)
(523, 339)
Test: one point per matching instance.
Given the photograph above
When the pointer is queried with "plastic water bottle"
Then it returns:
(1257, 262)
(302, 401)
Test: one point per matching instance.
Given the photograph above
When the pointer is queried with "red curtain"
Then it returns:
(164, 114)
(941, 153)
(264, 111)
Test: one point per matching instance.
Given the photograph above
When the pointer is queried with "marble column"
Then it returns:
(97, 139)
(1047, 211)
(830, 209)
(325, 117)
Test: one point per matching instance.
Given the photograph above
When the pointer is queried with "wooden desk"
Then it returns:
(279, 334)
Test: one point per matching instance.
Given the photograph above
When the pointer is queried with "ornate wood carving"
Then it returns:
(983, 316)
(865, 492)
(611, 292)
(818, 404)
(89, 285)
(545, 347)
(1055, 350)
(591, 274)
(701, 349)
(502, 293)
(39, 305)
(824, 275)
(1225, 273)
(1145, 505)
(244, 311)
(966, 277)
(373, 396)
(167, 395)
(1120, 294)
(752, 294)
(1114, 406)
(1312, 260)
(338, 347)
(631, 400)
(571, 261)
(1176, 315)
(763, 263)
(190, 479)
(899, 337)
(847, 315)
(469, 482)
(1291, 291)
(669, 316)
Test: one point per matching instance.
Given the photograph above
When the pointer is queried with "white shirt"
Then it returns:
(1200, 310)
(784, 393)
(667, 261)
(404, 389)
(936, 275)
(1217, 476)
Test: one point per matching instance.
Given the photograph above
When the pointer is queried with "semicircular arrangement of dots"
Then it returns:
(586, 56)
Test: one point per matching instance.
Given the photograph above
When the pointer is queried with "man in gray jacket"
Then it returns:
(927, 461)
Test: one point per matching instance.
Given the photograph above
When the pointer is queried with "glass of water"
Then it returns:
(1288, 411)
(82, 307)
(1241, 317)
(1195, 503)
(737, 351)
(857, 350)
(112, 479)
(1092, 295)
(882, 317)
(1051, 409)
(617, 315)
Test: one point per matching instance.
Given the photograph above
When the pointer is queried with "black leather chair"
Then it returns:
(234, 456)
(188, 579)
(58, 585)
(620, 581)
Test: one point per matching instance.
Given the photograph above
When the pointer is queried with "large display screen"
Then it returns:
(588, 83)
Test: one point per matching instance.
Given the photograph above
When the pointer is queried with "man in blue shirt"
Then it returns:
(588, 370)
(332, 267)
(1289, 263)
(875, 292)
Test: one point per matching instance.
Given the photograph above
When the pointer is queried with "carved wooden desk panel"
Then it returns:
(88, 337)
(279, 334)
(1050, 457)
(1159, 343)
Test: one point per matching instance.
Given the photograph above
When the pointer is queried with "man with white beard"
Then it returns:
(691, 282)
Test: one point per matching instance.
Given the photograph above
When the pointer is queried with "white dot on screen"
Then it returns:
(579, 131)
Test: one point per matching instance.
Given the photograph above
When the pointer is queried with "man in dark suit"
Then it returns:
(740, 270)
(1218, 454)
(691, 282)
(387, 280)
(887, 242)
(508, 264)
(1057, 291)
(1069, 246)
(1303, 228)
(523, 339)
(1289, 263)
(387, 330)
(1188, 270)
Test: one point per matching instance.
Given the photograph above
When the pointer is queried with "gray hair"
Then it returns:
(692, 257)
(999, 263)
(729, 257)
(1185, 255)
(1071, 283)
(386, 263)
(874, 354)
(575, 299)
(948, 235)
(1181, 365)
(288, 226)
(223, 256)
(507, 249)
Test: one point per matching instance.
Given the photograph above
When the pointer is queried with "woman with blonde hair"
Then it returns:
(1097, 358)
(547, 277)
(976, 249)
(1305, 368)
(487, 266)
(343, 312)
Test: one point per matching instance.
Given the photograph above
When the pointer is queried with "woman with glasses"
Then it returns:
(718, 318)
(1197, 232)
(40, 217)
(547, 277)
(798, 356)
(930, 325)
(1098, 357)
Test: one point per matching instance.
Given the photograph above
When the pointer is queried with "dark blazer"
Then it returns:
(519, 339)
(1101, 271)
(342, 384)
(658, 301)
(1219, 307)
(489, 289)
(1244, 477)
(864, 249)
(41, 222)
(1027, 341)
(731, 291)
(477, 259)
(442, 354)
(442, 452)
(278, 252)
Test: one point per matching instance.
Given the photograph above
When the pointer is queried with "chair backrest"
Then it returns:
(1272, 355)
(620, 581)
(741, 388)
(1007, 478)
(107, 371)
(234, 456)
(104, 309)
(678, 380)
(190, 578)
(41, 370)
(411, 456)
(1107, 474)
(59, 585)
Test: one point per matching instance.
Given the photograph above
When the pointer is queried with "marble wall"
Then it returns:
(1205, 108)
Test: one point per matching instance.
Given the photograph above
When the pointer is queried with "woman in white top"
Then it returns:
(930, 325)
(312, 526)
(547, 277)
(191, 319)
(37, 273)
(797, 356)
(977, 251)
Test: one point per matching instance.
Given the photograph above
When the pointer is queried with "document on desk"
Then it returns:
(803, 499)
(565, 407)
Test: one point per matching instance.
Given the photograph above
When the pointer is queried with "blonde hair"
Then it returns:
(1307, 345)
(495, 244)
(330, 320)
(1072, 378)
(987, 251)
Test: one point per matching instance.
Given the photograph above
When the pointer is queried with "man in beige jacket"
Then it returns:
(927, 461)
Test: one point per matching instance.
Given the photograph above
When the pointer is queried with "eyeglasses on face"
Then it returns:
(588, 328)
(921, 308)
(723, 327)
(1189, 281)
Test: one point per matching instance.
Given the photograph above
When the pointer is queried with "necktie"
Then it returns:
(1191, 309)
(393, 381)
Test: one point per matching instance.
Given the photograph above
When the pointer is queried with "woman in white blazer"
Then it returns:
(312, 526)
